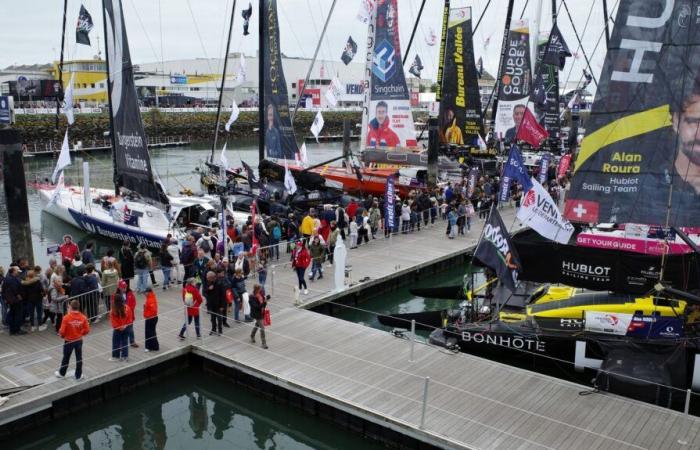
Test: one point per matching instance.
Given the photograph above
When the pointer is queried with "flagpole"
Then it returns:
(59, 93)
(223, 82)
(313, 61)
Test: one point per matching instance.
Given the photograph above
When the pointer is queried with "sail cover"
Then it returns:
(548, 113)
(132, 162)
(641, 152)
(460, 119)
(280, 142)
(515, 81)
(387, 119)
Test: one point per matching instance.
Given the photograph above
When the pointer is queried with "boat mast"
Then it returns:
(223, 81)
(261, 83)
(504, 44)
(605, 13)
(535, 36)
(109, 102)
(59, 91)
(313, 61)
(413, 33)
(443, 49)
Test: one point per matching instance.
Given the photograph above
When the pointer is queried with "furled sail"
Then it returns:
(460, 120)
(280, 142)
(515, 81)
(548, 113)
(132, 163)
(387, 117)
(640, 159)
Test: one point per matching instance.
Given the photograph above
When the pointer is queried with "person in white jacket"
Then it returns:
(174, 252)
(354, 232)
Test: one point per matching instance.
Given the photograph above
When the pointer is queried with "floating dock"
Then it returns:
(53, 149)
(358, 376)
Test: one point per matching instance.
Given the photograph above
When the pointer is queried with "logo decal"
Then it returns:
(383, 65)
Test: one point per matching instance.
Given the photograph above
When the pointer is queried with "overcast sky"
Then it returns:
(196, 28)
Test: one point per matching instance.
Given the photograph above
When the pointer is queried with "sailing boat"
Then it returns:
(633, 322)
(138, 210)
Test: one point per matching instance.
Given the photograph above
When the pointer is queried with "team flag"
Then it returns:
(234, 115)
(68, 102)
(514, 170)
(63, 158)
(349, 51)
(530, 130)
(82, 29)
(317, 125)
(247, 14)
(416, 67)
(557, 51)
(497, 252)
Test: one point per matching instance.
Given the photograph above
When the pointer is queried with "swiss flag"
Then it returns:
(530, 131)
(581, 210)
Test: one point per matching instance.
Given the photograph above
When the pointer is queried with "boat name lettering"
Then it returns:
(494, 235)
(580, 269)
(136, 163)
(511, 342)
(130, 140)
(389, 90)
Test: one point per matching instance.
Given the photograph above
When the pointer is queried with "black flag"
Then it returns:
(588, 78)
(557, 51)
(252, 180)
(480, 67)
(497, 252)
(82, 29)
(349, 51)
(539, 92)
(247, 14)
(416, 67)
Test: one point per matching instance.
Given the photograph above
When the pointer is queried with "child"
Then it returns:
(73, 327)
(150, 314)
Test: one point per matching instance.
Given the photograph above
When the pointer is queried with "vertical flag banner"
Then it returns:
(390, 198)
(317, 125)
(234, 115)
(68, 101)
(546, 98)
(514, 170)
(544, 167)
(515, 81)
(63, 158)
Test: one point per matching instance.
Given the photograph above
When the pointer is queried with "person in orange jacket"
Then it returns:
(192, 299)
(121, 317)
(73, 327)
(150, 313)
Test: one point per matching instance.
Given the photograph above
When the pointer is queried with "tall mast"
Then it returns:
(443, 49)
(607, 19)
(109, 102)
(223, 82)
(504, 44)
(59, 91)
(534, 48)
(261, 84)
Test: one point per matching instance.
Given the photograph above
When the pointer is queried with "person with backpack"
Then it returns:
(275, 238)
(300, 261)
(142, 263)
(257, 312)
(192, 300)
(206, 245)
(73, 327)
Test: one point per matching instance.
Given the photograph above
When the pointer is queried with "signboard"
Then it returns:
(53, 249)
(354, 89)
(607, 323)
(5, 110)
(178, 79)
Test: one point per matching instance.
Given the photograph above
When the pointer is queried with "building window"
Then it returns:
(102, 85)
(92, 85)
(294, 85)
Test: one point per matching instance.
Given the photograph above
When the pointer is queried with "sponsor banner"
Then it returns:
(641, 135)
(515, 81)
(460, 120)
(548, 114)
(544, 167)
(540, 212)
(390, 196)
(5, 113)
(650, 327)
(636, 245)
(607, 323)
(564, 164)
(514, 170)
(443, 45)
(113, 231)
(280, 142)
(509, 341)
(178, 79)
(471, 183)
(390, 120)
(133, 169)
(497, 252)
(354, 89)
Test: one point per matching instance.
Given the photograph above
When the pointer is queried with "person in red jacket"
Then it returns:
(300, 261)
(73, 327)
(379, 133)
(121, 317)
(150, 314)
(68, 249)
(192, 300)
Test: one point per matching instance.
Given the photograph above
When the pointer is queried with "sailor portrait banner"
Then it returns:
(133, 163)
(642, 145)
(280, 142)
(460, 121)
(515, 81)
(390, 120)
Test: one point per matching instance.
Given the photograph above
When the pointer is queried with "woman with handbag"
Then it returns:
(258, 306)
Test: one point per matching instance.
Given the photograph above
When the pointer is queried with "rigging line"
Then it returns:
(311, 66)
(199, 36)
(476, 27)
(143, 28)
(413, 33)
(59, 96)
(568, 13)
(522, 13)
(223, 83)
(585, 26)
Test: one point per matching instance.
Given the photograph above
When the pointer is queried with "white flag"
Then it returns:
(317, 125)
(482, 143)
(241, 75)
(60, 185)
(334, 91)
(234, 115)
(431, 37)
(365, 12)
(63, 158)
(303, 159)
(572, 102)
(539, 212)
(68, 102)
(289, 184)
(223, 159)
